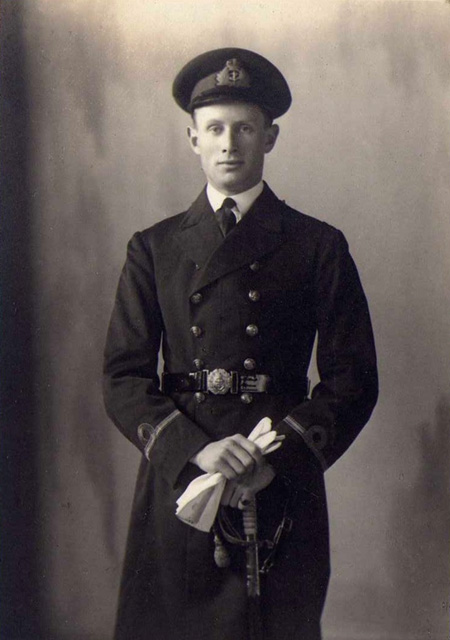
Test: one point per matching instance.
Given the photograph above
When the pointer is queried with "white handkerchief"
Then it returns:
(199, 504)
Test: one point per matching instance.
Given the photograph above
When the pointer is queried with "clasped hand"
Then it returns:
(241, 462)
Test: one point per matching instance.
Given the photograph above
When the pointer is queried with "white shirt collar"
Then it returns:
(243, 200)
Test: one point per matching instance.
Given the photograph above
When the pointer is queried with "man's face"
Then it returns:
(231, 140)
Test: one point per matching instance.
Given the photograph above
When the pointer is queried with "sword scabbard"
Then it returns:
(249, 519)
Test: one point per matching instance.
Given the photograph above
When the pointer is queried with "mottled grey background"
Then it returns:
(94, 148)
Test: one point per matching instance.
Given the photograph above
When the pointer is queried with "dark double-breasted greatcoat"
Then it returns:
(250, 303)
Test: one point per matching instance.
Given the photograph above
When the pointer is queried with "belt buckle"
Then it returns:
(218, 381)
(255, 383)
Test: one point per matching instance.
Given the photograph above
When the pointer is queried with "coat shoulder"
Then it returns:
(164, 227)
(300, 225)
(159, 237)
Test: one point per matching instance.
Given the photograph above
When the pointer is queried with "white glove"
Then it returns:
(199, 504)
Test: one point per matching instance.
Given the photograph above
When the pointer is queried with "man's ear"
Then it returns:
(193, 139)
(271, 134)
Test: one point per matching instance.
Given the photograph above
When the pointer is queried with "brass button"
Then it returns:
(196, 298)
(249, 364)
(199, 397)
(255, 266)
(246, 398)
(198, 363)
(196, 331)
(252, 330)
(254, 295)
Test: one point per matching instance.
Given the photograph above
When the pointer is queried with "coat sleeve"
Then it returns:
(342, 402)
(133, 400)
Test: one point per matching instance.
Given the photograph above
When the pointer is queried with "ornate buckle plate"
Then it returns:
(218, 381)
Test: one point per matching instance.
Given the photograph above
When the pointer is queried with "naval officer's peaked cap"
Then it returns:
(228, 75)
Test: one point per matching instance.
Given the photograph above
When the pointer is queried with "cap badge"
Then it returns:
(233, 75)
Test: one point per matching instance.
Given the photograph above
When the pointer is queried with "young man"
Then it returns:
(236, 290)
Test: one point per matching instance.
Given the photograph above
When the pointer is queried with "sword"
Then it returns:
(249, 519)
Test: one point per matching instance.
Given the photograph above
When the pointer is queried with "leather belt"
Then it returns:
(218, 382)
(221, 382)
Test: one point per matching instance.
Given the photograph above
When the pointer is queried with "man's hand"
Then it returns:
(233, 457)
(239, 492)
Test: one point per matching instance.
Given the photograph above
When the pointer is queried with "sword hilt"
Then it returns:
(249, 518)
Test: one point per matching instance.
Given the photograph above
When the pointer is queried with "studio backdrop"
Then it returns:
(97, 150)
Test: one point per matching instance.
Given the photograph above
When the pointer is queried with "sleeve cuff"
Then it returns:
(315, 437)
(170, 444)
(148, 435)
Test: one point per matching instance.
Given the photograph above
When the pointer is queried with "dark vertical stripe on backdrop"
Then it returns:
(19, 544)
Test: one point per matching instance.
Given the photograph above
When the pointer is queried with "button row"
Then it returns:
(253, 295)
(251, 330)
(249, 364)
(255, 266)
(200, 397)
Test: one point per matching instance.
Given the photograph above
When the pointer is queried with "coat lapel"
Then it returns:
(258, 233)
(199, 234)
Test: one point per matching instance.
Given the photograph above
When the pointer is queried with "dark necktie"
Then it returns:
(225, 216)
